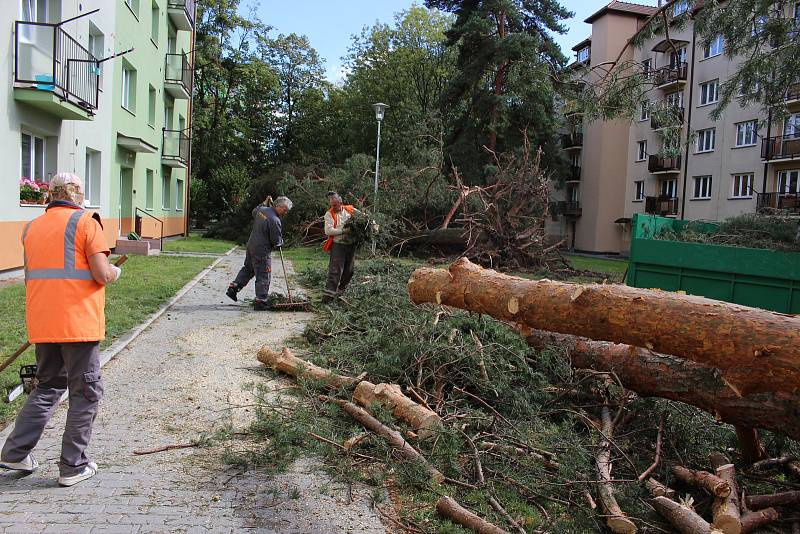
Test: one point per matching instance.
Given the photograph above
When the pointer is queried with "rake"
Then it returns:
(292, 305)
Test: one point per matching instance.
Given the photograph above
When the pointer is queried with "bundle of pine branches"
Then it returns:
(749, 230)
(360, 228)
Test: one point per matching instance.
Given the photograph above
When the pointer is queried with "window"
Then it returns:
(675, 99)
(179, 195)
(128, 87)
(154, 22)
(92, 177)
(148, 200)
(644, 111)
(573, 194)
(708, 92)
(639, 191)
(789, 182)
(702, 187)
(33, 10)
(678, 58)
(713, 47)
(759, 24)
(746, 133)
(791, 127)
(680, 7)
(742, 186)
(172, 40)
(641, 151)
(166, 182)
(647, 68)
(669, 188)
(706, 140)
(133, 5)
(96, 47)
(169, 112)
(32, 157)
(583, 54)
(749, 90)
(151, 110)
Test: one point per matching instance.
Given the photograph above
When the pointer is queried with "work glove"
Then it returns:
(117, 273)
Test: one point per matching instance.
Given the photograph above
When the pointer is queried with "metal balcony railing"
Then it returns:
(789, 202)
(176, 145)
(661, 205)
(572, 140)
(50, 59)
(670, 74)
(781, 147)
(187, 5)
(178, 70)
(660, 164)
(666, 116)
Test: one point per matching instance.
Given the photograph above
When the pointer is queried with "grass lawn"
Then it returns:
(146, 283)
(599, 265)
(198, 244)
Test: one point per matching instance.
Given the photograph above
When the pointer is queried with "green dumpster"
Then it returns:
(753, 277)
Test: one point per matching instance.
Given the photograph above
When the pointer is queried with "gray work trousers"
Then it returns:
(60, 365)
(259, 266)
(340, 268)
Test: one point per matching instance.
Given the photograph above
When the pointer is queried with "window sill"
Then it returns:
(178, 209)
(704, 152)
(92, 207)
(710, 57)
(149, 209)
(708, 104)
(740, 198)
(638, 200)
(21, 205)
(644, 120)
(129, 111)
(744, 146)
(640, 160)
(700, 199)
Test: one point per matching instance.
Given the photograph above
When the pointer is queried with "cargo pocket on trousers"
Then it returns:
(92, 386)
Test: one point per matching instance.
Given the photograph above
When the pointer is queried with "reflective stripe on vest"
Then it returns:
(69, 272)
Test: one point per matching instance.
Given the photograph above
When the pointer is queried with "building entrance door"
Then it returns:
(125, 201)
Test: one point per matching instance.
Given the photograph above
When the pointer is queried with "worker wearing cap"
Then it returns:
(66, 271)
(266, 236)
(339, 244)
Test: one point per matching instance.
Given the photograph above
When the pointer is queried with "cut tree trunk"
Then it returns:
(390, 396)
(450, 509)
(759, 502)
(394, 437)
(750, 443)
(615, 517)
(754, 520)
(756, 350)
(683, 519)
(651, 374)
(725, 509)
(288, 363)
(657, 489)
(704, 480)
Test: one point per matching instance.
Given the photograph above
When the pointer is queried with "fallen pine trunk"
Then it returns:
(755, 520)
(760, 502)
(288, 363)
(391, 396)
(450, 509)
(650, 374)
(756, 350)
(682, 518)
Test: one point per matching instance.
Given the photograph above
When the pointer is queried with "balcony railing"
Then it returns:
(788, 202)
(50, 59)
(574, 173)
(188, 7)
(670, 75)
(178, 72)
(792, 93)
(661, 205)
(570, 208)
(782, 147)
(666, 116)
(572, 140)
(175, 148)
(659, 164)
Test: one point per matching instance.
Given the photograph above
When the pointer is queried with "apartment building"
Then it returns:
(716, 169)
(101, 88)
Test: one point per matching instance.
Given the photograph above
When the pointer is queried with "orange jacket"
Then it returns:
(328, 245)
(63, 302)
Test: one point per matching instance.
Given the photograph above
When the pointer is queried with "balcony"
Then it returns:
(574, 173)
(780, 148)
(666, 117)
(662, 205)
(792, 97)
(570, 208)
(181, 13)
(175, 148)
(572, 141)
(54, 72)
(178, 76)
(785, 202)
(661, 165)
(670, 77)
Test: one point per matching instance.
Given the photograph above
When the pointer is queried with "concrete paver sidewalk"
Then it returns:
(185, 377)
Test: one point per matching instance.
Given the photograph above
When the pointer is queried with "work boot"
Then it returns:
(87, 472)
(232, 292)
(327, 299)
(261, 305)
(28, 465)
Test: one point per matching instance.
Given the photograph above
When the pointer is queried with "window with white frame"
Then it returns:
(641, 151)
(746, 133)
(706, 140)
(179, 195)
(747, 90)
(647, 68)
(148, 197)
(759, 24)
(166, 189)
(155, 16)
(92, 177)
(680, 7)
(96, 47)
(742, 186)
(675, 99)
(791, 126)
(639, 191)
(709, 92)
(33, 10)
(789, 182)
(677, 58)
(702, 187)
(583, 54)
(713, 47)
(32, 157)
(644, 111)
(128, 87)
(669, 188)
(573, 193)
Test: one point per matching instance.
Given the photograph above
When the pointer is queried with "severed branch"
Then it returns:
(615, 517)
(288, 363)
(659, 440)
(755, 520)
(166, 448)
(684, 520)
(760, 502)
(704, 480)
(657, 489)
(449, 508)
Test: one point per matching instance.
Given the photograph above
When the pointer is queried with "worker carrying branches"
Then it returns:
(66, 271)
(266, 235)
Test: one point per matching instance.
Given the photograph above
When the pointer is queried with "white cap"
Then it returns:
(66, 178)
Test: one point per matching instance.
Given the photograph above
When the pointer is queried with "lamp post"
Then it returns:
(380, 110)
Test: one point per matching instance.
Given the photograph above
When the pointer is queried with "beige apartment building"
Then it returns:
(737, 164)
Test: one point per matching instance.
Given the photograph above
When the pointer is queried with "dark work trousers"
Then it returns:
(340, 269)
(60, 365)
(260, 267)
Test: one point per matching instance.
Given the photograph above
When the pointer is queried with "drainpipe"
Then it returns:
(187, 193)
(689, 121)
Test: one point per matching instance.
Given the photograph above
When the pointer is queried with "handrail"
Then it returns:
(160, 222)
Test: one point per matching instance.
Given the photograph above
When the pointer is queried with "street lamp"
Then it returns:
(380, 110)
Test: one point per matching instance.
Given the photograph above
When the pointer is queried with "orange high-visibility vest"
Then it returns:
(328, 245)
(64, 304)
